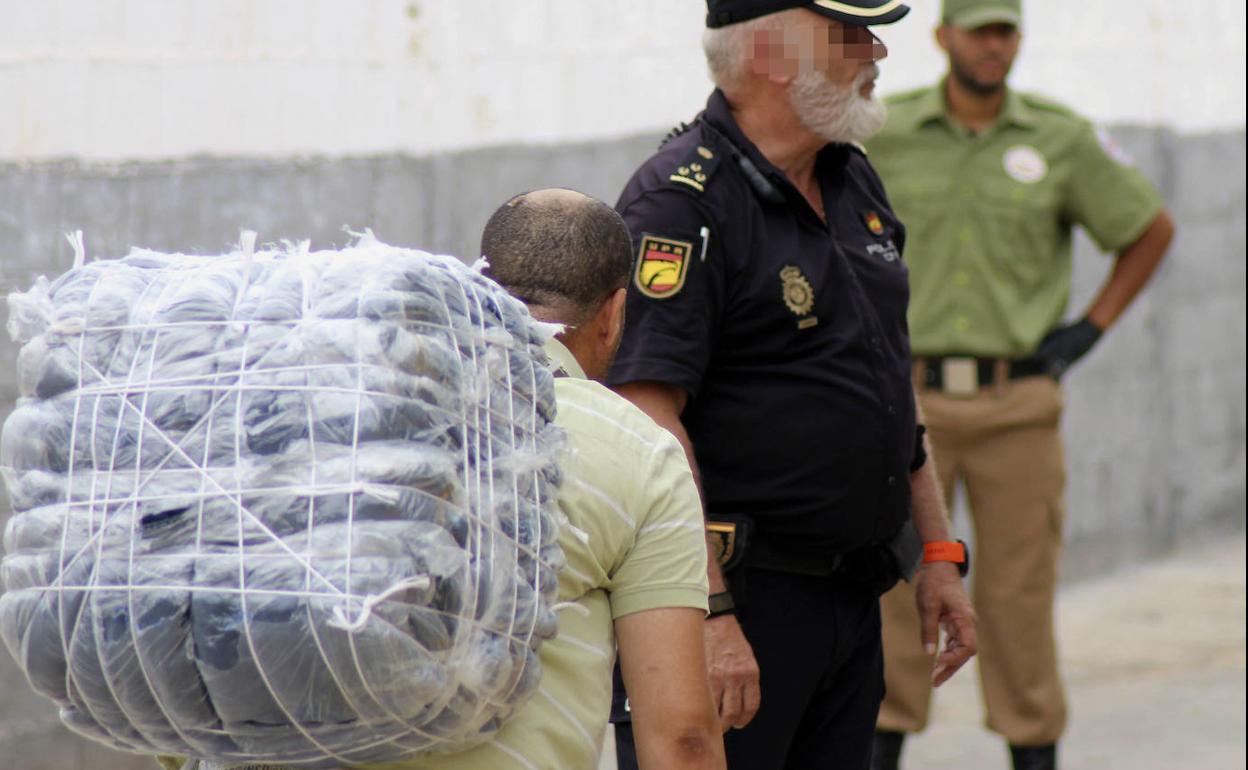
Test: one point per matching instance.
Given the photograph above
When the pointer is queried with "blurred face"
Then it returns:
(830, 69)
(980, 58)
(808, 42)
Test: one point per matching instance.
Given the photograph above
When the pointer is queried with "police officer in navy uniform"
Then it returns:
(767, 331)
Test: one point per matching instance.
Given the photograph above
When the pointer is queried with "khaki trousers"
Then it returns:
(1003, 445)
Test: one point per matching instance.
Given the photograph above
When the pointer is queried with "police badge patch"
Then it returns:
(661, 266)
(798, 294)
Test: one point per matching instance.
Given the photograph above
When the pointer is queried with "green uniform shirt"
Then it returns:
(989, 217)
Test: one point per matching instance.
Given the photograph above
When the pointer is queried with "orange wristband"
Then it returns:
(948, 550)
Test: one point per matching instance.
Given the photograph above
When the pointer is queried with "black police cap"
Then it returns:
(720, 13)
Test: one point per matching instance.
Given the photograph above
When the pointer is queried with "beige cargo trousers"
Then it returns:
(1003, 444)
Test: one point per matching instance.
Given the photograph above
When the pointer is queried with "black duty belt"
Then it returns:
(764, 555)
(878, 564)
(965, 375)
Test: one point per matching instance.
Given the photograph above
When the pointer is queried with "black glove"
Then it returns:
(1065, 345)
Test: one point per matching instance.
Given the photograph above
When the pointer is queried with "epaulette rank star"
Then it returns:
(696, 168)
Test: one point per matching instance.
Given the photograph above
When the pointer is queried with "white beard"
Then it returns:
(836, 113)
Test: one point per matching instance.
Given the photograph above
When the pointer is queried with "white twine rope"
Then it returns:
(105, 495)
(372, 600)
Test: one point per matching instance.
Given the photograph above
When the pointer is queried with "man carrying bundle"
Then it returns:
(629, 489)
(634, 541)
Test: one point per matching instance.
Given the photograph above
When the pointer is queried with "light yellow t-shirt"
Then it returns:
(638, 544)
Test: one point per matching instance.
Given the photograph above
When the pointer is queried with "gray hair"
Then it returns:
(728, 49)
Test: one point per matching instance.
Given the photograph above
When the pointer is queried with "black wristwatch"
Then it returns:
(721, 604)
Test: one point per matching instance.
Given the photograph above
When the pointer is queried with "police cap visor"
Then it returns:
(720, 13)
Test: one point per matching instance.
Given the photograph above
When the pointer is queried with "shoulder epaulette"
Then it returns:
(858, 146)
(696, 168)
(676, 131)
(1045, 104)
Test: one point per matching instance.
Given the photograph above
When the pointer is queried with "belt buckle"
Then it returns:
(723, 540)
(959, 377)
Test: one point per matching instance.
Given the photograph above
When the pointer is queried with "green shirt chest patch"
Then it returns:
(1025, 164)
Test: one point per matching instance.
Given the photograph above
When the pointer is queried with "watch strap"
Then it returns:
(721, 604)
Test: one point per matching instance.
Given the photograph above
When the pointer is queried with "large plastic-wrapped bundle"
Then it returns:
(280, 505)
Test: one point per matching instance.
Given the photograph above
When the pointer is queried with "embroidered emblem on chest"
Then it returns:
(661, 266)
(1025, 164)
(798, 294)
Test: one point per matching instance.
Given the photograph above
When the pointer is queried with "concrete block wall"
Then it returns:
(1155, 416)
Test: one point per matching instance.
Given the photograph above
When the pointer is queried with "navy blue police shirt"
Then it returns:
(788, 334)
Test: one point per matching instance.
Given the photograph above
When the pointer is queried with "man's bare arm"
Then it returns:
(939, 591)
(674, 719)
(1065, 345)
(1132, 270)
(732, 668)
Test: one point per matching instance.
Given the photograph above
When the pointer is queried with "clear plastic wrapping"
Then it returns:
(280, 505)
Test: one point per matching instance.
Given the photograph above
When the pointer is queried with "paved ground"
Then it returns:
(1154, 660)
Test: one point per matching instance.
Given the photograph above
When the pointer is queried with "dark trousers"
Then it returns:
(817, 641)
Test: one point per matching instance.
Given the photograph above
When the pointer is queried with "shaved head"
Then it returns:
(558, 249)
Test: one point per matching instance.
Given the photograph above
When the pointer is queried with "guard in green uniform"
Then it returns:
(989, 183)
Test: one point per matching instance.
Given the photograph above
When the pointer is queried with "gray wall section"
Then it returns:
(1155, 419)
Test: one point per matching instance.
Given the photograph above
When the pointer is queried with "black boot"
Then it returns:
(886, 750)
(1034, 757)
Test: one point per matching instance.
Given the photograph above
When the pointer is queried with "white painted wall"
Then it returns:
(129, 79)
(1151, 62)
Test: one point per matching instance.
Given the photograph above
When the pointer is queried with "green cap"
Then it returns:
(971, 14)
